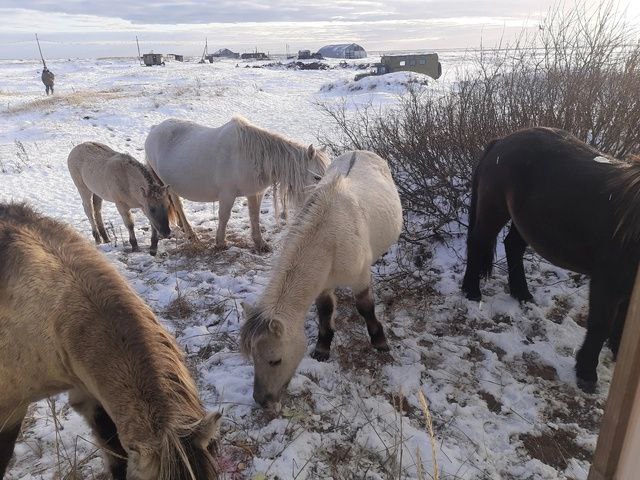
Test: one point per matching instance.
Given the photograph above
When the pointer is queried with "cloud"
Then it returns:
(78, 28)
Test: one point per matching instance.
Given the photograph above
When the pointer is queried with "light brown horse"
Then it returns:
(102, 173)
(70, 322)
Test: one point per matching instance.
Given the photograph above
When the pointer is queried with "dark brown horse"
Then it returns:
(573, 206)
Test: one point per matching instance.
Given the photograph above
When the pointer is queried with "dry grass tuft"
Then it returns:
(81, 98)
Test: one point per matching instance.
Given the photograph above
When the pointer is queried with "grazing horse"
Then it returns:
(576, 208)
(205, 164)
(102, 173)
(350, 219)
(70, 322)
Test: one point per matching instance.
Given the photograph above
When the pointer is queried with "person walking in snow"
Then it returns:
(47, 79)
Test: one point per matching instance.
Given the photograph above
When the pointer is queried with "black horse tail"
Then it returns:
(486, 258)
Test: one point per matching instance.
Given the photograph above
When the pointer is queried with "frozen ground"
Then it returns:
(498, 376)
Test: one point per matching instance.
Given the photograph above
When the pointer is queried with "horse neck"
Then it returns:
(148, 390)
(277, 158)
(138, 180)
(299, 276)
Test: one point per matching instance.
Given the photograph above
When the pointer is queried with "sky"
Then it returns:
(78, 28)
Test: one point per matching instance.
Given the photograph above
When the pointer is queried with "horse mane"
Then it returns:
(103, 150)
(624, 187)
(308, 220)
(279, 159)
(167, 397)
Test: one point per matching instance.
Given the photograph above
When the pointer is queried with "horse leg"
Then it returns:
(515, 246)
(9, 429)
(254, 202)
(127, 218)
(97, 210)
(87, 205)
(276, 204)
(325, 304)
(154, 242)
(618, 327)
(182, 219)
(366, 307)
(104, 429)
(481, 243)
(224, 213)
(603, 305)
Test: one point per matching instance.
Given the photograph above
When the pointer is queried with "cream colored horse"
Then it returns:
(102, 173)
(70, 322)
(205, 164)
(351, 218)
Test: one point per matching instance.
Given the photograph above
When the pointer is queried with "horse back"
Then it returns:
(555, 193)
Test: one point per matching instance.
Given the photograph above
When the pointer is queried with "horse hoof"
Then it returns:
(153, 253)
(473, 296)
(587, 386)
(263, 248)
(320, 355)
(523, 297)
(382, 346)
(222, 245)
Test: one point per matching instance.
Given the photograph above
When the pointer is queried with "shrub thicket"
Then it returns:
(580, 72)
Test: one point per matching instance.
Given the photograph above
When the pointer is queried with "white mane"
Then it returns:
(279, 159)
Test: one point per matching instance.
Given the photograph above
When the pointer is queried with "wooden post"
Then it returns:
(616, 431)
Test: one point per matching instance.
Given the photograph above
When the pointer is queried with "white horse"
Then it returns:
(205, 164)
(350, 219)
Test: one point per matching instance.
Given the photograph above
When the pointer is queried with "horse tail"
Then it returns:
(486, 259)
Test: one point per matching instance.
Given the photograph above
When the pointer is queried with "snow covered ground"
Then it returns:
(498, 376)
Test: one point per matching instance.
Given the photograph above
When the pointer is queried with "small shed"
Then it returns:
(225, 53)
(426, 63)
(254, 56)
(304, 54)
(151, 59)
(175, 56)
(343, 50)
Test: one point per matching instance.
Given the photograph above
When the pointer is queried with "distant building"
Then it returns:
(174, 56)
(225, 53)
(150, 59)
(425, 63)
(345, 50)
(307, 55)
(254, 56)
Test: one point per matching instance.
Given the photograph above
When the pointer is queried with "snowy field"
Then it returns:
(498, 376)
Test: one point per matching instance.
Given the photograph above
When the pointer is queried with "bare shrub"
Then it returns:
(580, 71)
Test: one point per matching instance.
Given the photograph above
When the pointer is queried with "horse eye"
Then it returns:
(273, 363)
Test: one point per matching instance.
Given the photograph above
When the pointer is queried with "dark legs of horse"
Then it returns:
(604, 303)
(254, 201)
(480, 250)
(325, 305)
(105, 431)
(87, 205)
(154, 242)
(515, 246)
(97, 210)
(618, 327)
(9, 430)
(127, 218)
(366, 308)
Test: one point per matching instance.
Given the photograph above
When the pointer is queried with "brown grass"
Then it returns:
(80, 98)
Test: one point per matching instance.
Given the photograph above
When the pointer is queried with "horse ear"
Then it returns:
(247, 309)
(276, 327)
(208, 429)
(311, 151)
(144, 192)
